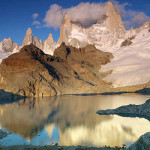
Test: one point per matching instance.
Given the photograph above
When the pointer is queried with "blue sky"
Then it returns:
(16, 16)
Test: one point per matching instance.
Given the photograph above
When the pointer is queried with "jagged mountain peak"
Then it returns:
(113, 22)
(28, 37)
(109, 4)
(50, 38)
(66, 19)
(29, 31)
(9, 39)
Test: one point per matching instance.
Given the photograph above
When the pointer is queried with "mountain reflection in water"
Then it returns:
(71, 120)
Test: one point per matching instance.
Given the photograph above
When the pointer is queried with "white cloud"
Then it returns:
(130, 17)
(88, 13)
(54, 16)
(121, 7)
(37, 27)
(36, 22)
(35, 15)
(84, 13)
(136, 19)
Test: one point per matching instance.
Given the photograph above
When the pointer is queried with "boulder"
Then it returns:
(143, 143)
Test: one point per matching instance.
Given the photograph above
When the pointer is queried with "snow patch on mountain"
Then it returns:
(4, 55)
(81, 36)
(131, 64)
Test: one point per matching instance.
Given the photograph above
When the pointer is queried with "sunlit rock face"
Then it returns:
(28, 37)
(63, 120)
(113, 20)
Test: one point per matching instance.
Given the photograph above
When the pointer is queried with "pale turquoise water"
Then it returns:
(71, 120)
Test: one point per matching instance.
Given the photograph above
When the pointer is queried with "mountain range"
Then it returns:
(105, 34)
(129, 49)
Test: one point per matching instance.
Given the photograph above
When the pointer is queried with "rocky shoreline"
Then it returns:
(131, 110)
(143, 143)
(59, 148)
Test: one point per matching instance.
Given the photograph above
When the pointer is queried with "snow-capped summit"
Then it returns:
(7, 45)
(105, 34)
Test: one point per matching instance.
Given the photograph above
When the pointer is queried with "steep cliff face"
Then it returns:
(28, 39)
(33, 73)
(113, 20)
(64, 30)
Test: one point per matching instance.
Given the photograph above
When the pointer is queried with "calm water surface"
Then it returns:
(71, 120)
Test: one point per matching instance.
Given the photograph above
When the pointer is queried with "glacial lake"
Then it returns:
(71, 120)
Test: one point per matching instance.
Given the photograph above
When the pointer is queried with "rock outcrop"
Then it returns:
(143, 143)
(113, 20)
(126, 42)
(33, 73)
(130, 110)
(3, 134)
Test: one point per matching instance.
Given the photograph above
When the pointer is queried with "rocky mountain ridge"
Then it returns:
(108, 32)
(8, 47)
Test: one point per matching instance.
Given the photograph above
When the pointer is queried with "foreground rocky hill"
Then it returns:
(33, 73)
